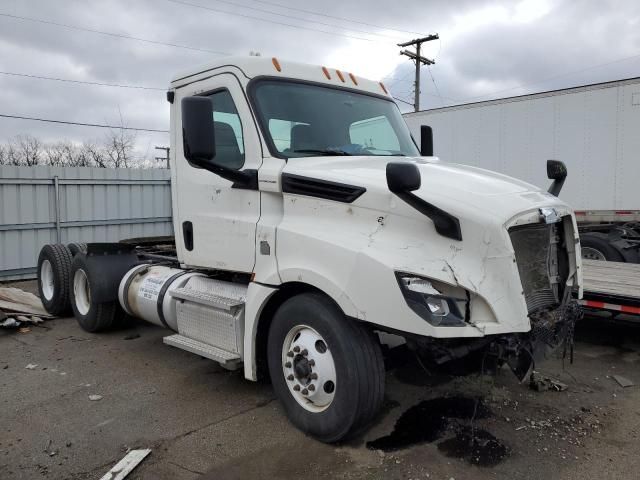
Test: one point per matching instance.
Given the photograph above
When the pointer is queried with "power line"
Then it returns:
(271, 12)
(403, 101)
(288, 7)
(111, 34)
(101, 84)
(98, 125)
(217, 10)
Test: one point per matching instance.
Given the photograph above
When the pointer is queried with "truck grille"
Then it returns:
(537, 256)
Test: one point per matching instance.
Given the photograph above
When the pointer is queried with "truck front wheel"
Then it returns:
(326, 370)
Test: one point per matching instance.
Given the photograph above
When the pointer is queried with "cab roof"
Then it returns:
(252, 67)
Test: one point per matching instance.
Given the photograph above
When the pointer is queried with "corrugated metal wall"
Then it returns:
(40, 205)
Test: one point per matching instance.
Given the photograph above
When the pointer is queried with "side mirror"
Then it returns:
(556, 171)
(197, 130)
(403, 177)
(426, 141)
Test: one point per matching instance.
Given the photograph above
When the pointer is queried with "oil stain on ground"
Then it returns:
(429, 420)
(476, 446)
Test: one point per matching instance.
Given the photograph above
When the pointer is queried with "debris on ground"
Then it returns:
(95, 398)
(18, 302)
(31, 366)
(10, 323)
(542, 384)
(125, 466)
(623, 381)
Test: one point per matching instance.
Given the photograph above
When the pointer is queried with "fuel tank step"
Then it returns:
(206, 298)
(228, 360)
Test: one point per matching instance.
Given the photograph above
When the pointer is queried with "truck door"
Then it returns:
(215, 224)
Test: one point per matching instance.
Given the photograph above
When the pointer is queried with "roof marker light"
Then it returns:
(276, 64)
(326, 73)
(340, 76)
(383, 88)
(353, 79)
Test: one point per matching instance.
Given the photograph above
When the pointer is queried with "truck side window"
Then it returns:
(227, 130)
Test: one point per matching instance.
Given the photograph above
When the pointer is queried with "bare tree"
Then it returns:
(3, 155)
(29, 149)
(95, 155)
(119, 148)
(53, 154)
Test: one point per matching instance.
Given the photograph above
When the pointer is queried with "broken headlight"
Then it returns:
(428, 302)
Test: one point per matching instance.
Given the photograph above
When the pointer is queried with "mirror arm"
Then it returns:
(244, 179)
(556, 186)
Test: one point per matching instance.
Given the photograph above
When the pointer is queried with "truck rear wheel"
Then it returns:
(54, 266)
(91, 315)
(596, 246)
(326, 370)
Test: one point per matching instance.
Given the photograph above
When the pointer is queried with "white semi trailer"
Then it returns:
(309, 239)
(594, 130)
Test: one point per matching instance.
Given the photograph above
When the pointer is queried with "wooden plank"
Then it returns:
(125, 466)
(612, 278)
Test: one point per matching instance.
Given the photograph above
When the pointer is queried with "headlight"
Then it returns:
(424, 299)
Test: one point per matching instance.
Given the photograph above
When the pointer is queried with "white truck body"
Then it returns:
(593, 129)
(321, 246)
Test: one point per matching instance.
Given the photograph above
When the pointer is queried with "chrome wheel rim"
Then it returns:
(46, 279)
(81, 292)
(590, 253)
(308, 368)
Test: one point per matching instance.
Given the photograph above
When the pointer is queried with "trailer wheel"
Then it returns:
(76, 247)
(91, 315)
(596, 246)
(326, 370)
(54, 265)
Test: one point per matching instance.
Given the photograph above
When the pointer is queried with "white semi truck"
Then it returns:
(593, 129)
(311, 234)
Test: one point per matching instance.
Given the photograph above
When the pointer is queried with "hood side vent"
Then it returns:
(313, 187)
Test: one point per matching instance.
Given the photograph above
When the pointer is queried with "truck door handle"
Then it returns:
(187, 235)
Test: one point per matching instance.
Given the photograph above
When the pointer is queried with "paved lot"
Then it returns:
(199, 419)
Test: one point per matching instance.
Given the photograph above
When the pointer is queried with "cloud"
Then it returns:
(486, 46)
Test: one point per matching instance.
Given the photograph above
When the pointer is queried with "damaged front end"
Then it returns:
(545, 254)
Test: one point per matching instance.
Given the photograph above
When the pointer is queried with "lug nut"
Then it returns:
(296, 387)
(290, 377)
(313, 376)
(312, 362)
(311, 387)
(296, 349)
(289, 354)
(288, 364)
(304, 352)
(305, 392)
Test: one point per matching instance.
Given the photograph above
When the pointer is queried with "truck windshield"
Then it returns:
(303, 120)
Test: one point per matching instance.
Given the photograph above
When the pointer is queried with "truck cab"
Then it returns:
(312, 234)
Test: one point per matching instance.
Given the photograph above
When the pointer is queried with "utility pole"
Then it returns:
(419, 61)
(166, 158)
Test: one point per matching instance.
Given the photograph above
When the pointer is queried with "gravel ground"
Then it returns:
(203, 421)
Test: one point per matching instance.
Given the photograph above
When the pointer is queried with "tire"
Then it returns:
(596, 246)
(324, 413)
(91, 316)
(54, 267)
(77, 247)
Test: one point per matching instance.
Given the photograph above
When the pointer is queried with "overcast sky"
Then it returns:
(488, 49)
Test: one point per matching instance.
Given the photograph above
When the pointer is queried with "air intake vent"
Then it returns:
(339, 192)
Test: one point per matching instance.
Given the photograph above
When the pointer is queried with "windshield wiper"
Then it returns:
(325, 152)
